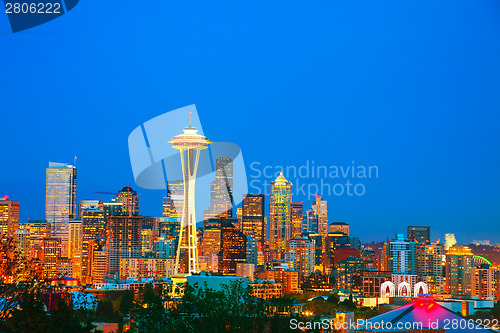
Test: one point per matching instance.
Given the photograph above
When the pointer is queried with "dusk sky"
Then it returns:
(412, 87)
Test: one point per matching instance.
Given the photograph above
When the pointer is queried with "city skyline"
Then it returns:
(413, 94)
(250, 166)
(308, 205)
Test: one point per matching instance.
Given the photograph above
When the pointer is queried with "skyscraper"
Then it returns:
(400, 256)
(75, 246)
(310, 222)
(458, 270)
(189, 143)
(485, 282)
(430, 266)
(280, 213)
(173, 202)
(297, 216)
(129, 200)
(348, 273)
(252, 218)
(89, 204)
(320, 207)
(9, 216)
(221, 192)
(23, 239)
(51, 252)
(419, 234)
(93, 226)
(112, 208)
(60, 200)
(233, 248)
(168, 207)
(124, 240)
(299, 255)
(211, 243)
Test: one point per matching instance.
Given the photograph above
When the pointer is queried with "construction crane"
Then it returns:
(109, 193)
(101, 192)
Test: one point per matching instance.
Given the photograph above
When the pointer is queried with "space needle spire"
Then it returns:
(189, 143)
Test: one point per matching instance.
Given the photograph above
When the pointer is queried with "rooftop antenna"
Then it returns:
(190, 113)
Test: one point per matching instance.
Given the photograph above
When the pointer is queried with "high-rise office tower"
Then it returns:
(60, 200)
(39, 229)
(485, 282)
(189, 143)
(9, 216)
(459, 259)
(211, 240)
(124, 240)
(174, 200)
(222, 188)
(168, 227)
(233, 248)
(348, 273)
(129, 200)
(252, 217)
(169, 207)
(146, 240)
(320, 207)
(51, 252)
(297, 216)
(419, 234)
(310, 222)
(400, 256)
(93, 226)
(113, 208)
(23, 240)
(430, 266)
(280, 213)
(99, 265)
(299, 255)
(75, 246)
(252, 245)
(89, 204)
(221, 192)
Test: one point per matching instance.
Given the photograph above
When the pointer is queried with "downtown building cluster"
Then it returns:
(282, 246)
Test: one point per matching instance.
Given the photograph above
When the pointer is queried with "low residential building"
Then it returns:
(137, 268)
(266, 289)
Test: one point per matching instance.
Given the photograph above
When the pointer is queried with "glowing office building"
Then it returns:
(129, 200)
(9, 216)
(60, 200)
(280, 213)
(75, 246)
(300, 255)
(93, 226)
(124, 240)
(252, 217)
(320, 207)
(297, 217)
(51, 253)
(459, 260)
(233, 248)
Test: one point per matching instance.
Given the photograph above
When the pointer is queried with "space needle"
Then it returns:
(189, 143)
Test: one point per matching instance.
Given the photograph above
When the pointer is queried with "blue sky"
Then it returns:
(409, 86)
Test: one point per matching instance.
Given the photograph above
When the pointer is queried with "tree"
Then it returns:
(105, 312)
